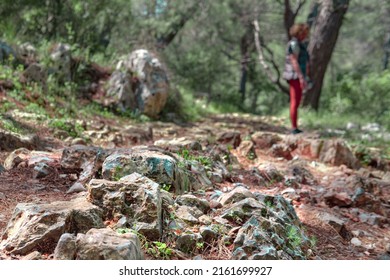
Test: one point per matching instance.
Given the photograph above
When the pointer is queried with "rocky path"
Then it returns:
(241, 170)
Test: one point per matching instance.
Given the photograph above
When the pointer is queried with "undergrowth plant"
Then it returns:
(158, 250)
(294, 237)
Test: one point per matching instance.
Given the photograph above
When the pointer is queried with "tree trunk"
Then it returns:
(322, 43)
(246, 48)
(289, 18)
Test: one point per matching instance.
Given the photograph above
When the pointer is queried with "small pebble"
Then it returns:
(356, 242)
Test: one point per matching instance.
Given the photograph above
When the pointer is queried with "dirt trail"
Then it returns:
(18, 185)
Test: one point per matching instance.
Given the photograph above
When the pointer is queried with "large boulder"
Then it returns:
(99, 244)
(119, 91)
(135, 197)
(39, 226)
(149, 81)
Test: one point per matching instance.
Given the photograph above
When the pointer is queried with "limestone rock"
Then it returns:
(187, 242)
(199, 179)
(265, 140)
(27, 52)
(134, 196)
(42, 170)
(232, 138)
(89, 159)
(281, 150)
(367, 201)
(373, 219)
(149, 81)
(208, 234)
(105, 244)
(242, 210)
(303, 175)
(33, 256)
(37, 157)
(155, 165)
(119, 91)
(39, 226)
(336, 152)
(177, 145)
(66, 247)
(338, 199)
(337, 224)
(75, 157)
(137, 135)
(305, 146)
(268, 228)
(193, 201)
(188, 214)
(15, 158)
(247, 149)
(271, 173)
(76, 188)
(235, 195)
(356, 242)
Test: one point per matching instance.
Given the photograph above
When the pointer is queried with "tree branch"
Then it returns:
(290, 14)
(174, 28)
(300, 5)
(268, 71)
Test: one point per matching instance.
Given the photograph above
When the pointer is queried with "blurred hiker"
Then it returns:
(296, 70)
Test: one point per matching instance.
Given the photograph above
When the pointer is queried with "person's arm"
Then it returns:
(297, 69)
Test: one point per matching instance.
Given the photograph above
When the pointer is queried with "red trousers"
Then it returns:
(295, 100)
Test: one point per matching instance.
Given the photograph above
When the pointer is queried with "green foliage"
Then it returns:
(294, 237)
(363, 92)
(35, 108)
(6, 105)
(11, 125)
(160, 250)
(205, 161)
(166, 187)
(156, 249)
(199, 246)
(94, 108)
(118, 173)
(73, 129)
(125, 230)
(313, 242)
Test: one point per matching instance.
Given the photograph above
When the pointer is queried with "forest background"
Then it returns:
(227, 55)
